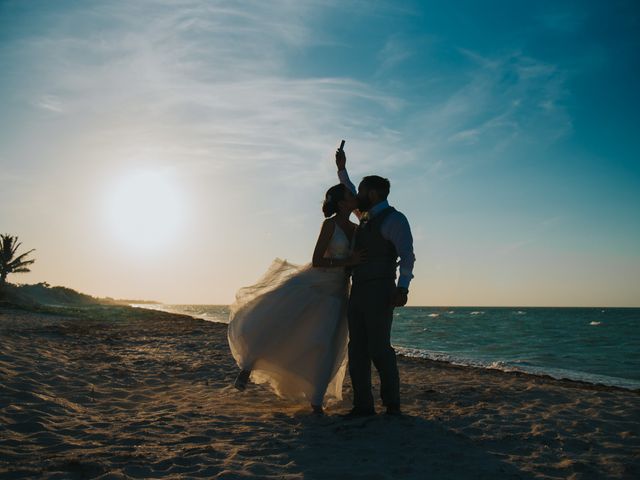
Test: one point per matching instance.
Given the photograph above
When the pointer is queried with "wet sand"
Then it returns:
(116, 392)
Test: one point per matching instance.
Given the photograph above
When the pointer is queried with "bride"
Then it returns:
(290, 329)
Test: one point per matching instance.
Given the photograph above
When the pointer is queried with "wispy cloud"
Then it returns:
(506, 100)
(395, 51)
(50, 102)
(208, 83)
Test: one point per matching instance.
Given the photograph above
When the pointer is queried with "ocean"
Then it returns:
(596, 345)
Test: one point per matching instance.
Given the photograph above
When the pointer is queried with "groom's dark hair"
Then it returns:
(379, 184)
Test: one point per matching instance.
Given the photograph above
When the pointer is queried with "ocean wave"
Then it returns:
(492, 360)
(519, 366)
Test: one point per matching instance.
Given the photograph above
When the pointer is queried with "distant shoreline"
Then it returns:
(444, 307)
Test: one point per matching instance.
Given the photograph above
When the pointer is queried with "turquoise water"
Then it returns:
(590, 344)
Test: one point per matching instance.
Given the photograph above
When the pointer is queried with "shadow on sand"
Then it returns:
(385, 447)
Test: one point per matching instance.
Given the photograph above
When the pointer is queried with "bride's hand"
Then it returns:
(341, 159)
(358, 257)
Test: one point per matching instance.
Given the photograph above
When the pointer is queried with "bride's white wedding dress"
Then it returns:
(290, 328)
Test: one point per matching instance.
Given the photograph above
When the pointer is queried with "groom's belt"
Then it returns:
(360, 281)
(380, 260)
(376, 269)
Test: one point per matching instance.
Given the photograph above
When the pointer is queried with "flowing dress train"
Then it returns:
(290, 328)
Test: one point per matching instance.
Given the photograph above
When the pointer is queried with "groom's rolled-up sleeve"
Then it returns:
(345, 180)
(397, 230)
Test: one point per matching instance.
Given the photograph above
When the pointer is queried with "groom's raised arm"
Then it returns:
(341, 163)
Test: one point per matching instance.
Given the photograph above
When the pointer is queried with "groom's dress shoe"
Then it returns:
(394, 410)
(357, 412)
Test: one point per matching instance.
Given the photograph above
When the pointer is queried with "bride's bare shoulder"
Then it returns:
(328, 225)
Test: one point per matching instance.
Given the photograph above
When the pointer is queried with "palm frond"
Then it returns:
(21, 270)
(6, 247)
(15, 264)
(9, 263)
(15, 247)
(19, 258)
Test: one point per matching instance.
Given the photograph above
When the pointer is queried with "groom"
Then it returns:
(385, 235)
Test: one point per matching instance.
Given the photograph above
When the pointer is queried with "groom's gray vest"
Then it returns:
(381, 257)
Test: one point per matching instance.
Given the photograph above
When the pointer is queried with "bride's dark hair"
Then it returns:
(334, 195)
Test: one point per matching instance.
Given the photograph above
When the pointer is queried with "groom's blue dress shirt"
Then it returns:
(395, 228)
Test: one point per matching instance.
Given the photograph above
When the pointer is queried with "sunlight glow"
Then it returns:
(145, 210)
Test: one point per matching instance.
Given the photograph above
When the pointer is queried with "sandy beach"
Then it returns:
(116, 392)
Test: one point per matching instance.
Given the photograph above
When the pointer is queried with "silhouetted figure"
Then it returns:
(385, 235)
(290, 329)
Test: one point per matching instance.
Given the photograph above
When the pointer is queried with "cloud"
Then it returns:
(200, 84)
(395, 51)
(210, 86)
(50, 102)
(505, 101)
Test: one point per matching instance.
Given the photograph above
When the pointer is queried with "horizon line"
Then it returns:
(421, 306)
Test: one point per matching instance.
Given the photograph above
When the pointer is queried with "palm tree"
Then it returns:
(9, 263)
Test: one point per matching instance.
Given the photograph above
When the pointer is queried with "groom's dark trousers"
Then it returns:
(370, 314)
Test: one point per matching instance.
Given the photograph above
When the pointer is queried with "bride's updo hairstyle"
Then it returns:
(334, 195)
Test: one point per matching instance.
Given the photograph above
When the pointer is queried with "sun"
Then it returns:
(145, 210)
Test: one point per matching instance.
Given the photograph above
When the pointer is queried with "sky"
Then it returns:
(170, 150)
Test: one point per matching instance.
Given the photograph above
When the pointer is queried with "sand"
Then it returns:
(122, 393)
